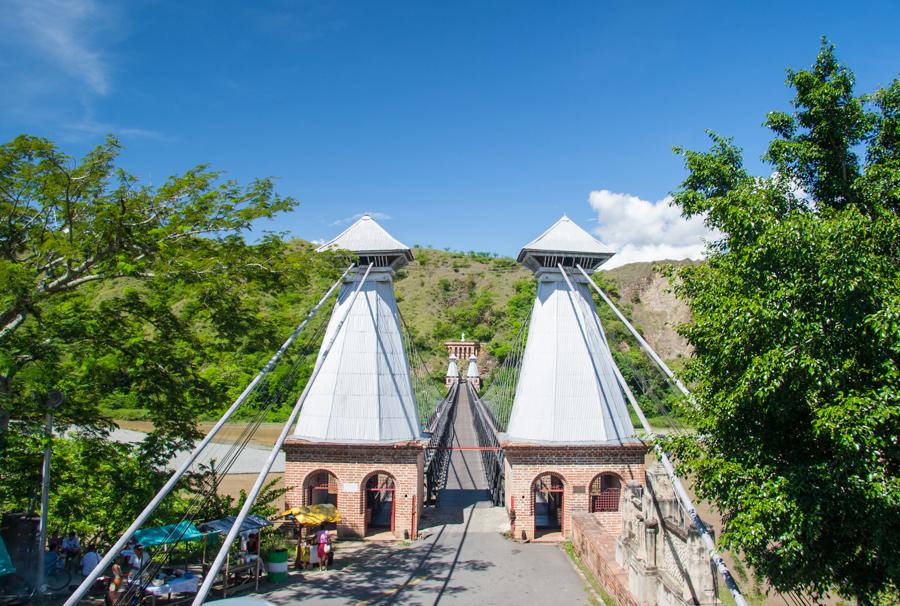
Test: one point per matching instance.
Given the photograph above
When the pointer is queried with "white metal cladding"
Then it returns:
(363, 392)
(565, 236)
(473, 368)
(567, 390)
(367, 236)
(452, 368)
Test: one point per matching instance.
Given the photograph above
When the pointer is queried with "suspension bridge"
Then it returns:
(549, 441)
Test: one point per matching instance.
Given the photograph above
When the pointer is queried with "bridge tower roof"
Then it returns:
(567, 391)
(363, 392)
(567, 243)
(372, 243)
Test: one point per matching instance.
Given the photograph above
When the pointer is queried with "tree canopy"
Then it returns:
(130, 297)
(797, 340)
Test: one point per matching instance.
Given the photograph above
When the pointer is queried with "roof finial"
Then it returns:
(463, 337)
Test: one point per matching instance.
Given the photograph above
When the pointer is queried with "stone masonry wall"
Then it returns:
(577, 466)
(660, 549)
(352, 466)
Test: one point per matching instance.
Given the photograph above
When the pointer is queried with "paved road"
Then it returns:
(461, 557)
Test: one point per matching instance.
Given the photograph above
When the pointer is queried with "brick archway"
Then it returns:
(548, 502)
(320, 487)
(605, 492)
(379, 501)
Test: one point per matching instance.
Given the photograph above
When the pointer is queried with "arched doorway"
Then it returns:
(321, 488)
(379, 495)
(606, 489)
(549, 505)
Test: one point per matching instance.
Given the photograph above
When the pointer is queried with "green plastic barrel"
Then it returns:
(277, 565)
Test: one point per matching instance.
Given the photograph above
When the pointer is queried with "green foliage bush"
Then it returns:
(797, 341)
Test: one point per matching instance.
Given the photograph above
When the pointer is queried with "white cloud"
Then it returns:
(375, 215)
(57, 59)
(640, 230)
(64, 32)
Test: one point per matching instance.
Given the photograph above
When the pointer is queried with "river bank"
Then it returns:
(243, 471)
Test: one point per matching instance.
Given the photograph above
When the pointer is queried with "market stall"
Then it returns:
(237, 575)
(160, 581)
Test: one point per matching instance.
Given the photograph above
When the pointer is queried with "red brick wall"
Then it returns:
(596, 547)
(352, 466)
(577, 466)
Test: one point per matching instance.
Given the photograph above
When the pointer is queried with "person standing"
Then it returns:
(116, 584)
(323, 538)
(313, 550)
(71, 546)
(89, 560)
(54, 542)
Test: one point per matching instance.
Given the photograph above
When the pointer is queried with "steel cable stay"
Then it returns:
(500, 393)
(176, 476)
(644, 345)
(272, 399)
(208, 581)
(680, 492)
(269, 400)
(644, 384)
(427, 393)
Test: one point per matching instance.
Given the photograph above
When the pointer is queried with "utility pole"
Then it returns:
(54, 399)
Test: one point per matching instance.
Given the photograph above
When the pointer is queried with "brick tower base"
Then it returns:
(575, 469)
(347, 470)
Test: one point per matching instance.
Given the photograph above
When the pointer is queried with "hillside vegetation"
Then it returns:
(443, 294)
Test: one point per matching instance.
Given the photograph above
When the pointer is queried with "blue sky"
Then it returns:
(469, 125)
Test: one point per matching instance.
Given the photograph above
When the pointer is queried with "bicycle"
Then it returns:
(15, 588)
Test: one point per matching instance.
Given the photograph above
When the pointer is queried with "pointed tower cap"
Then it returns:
(452, 368)
(372, 243)
(567, 243)
(472, 371)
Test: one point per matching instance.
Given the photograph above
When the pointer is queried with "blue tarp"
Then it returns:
(251, 523)
(168, 534)
(6, 565)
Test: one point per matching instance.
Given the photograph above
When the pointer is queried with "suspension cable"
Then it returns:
(646, 346)
(176, 476)
(260, 480)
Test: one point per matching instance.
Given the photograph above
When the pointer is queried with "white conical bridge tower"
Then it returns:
(452, 372)
(358, 441)
(472, 374)
(363, 393)
(567, 391)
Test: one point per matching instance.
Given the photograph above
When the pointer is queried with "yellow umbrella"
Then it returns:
(314, 515)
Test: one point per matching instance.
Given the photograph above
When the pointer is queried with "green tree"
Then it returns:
(797, 340)
(131, 298)
(67, 226)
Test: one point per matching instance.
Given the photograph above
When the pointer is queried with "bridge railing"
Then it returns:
(437, 455)
(491, 453)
